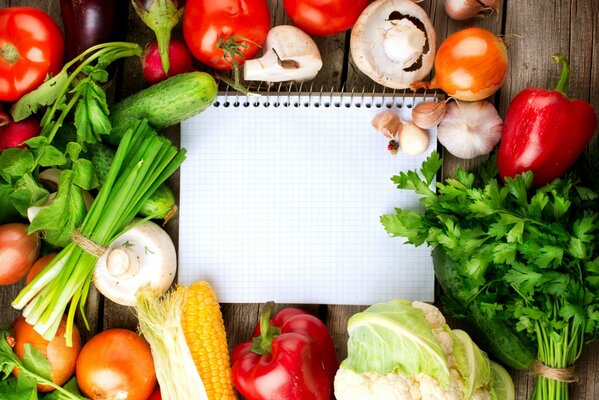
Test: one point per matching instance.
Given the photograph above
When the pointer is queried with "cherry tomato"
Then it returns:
(324, 17)
(239, 25)
(31, 47)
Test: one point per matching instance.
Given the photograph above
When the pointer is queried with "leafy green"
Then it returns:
(531, 253)
(471, 362)
(76, 88)
(395, 337)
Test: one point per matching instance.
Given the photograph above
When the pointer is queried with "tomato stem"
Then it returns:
(9, 53)
(562, 84)
(262, 344)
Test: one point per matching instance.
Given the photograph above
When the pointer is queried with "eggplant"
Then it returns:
(161, 16)
(90, 22)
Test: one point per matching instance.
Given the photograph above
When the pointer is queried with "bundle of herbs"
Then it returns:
(527, 256)
(78, 91)
(143, 161)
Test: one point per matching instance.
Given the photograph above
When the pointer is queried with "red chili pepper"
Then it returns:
(291, 356)
(545, 131)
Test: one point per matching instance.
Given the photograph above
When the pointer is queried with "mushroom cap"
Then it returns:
(156, 257)
(369, 51)
(290, 43)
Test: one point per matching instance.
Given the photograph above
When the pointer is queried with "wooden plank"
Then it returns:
(584, 63)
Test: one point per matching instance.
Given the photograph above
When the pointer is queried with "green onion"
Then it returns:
(143, 161)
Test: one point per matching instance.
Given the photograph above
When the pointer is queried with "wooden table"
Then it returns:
(533, 30)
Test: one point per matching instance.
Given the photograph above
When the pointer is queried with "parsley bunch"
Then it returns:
(527, 255)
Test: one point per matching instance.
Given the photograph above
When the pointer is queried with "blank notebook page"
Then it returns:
(281, 199)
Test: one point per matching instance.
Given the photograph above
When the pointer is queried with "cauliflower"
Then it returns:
(406, 351)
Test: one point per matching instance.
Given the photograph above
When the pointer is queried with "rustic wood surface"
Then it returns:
(533, 30)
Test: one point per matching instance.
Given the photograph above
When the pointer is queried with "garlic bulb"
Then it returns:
(470, 129)
(429, 114)
(388, 123)
(465, 9)
(412, 139)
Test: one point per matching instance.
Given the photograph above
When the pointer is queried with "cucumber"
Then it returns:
(494, 336)
(164, 104)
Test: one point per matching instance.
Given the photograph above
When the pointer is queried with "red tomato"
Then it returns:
(206, 22)
(324, 17)
(31, 47)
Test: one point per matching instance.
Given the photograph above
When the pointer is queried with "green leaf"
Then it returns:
(515, 234)
(35, 362)
(586, 193)
(395, 337)
(549, 256)
(8, 212)
(37, 142)
(577, 248)
(63, 215)
(27, 192)
(8, 359)
(522, 278)
(431, 166)
(44, 95)
(504, 253)
(71, 387)
(85, 176)
(554, 283)
(50, 156)
(73, 150)
(583, 228)
(405, 223)
(15, 162)
(23, 388)
(91, 113)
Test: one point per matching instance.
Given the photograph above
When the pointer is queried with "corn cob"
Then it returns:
(205, 335)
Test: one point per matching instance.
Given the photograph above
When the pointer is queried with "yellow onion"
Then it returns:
(470, 65)
(18, 252)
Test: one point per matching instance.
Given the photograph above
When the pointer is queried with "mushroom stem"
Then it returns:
(403, 43)
(122, 262)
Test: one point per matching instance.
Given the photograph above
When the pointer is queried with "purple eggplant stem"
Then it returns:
(161, 16)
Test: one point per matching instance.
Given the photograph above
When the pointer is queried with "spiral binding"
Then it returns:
(295, 95)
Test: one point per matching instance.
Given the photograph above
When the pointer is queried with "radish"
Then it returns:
(179, 56)
(13, 134)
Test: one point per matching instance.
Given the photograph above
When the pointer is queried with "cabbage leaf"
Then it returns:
(395, 337)
(471, 362)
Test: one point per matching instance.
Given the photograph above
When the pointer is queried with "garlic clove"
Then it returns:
(388, 123)
(429, 114)
(412, 139)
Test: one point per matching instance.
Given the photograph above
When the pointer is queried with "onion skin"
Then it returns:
(18, 252)
(116, 364)
(470, 65)
(62, 358)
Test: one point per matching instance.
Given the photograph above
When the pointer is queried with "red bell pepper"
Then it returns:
(290, 357)
(545, 131)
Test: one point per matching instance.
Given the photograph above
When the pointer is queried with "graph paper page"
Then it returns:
(283, 203)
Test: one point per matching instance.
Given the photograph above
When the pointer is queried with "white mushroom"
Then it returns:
(393, 42)
(289, 55)
(144, 255)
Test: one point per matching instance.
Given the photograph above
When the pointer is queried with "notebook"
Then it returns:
(281, 196)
